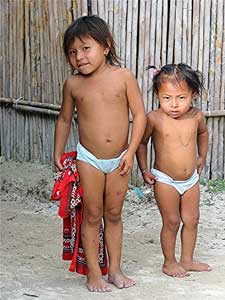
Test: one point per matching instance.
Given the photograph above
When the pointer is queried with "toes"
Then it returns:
(129, 284)
(177, 274)
(108, 289)
(207, 268)
(119, 285)
(121, 281)
(182, 274)
(99, 289)
(91, 289)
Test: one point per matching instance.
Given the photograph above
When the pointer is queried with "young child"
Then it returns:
(180, 139)
(102, 93)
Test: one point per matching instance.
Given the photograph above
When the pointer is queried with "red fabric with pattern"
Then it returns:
(68, 191)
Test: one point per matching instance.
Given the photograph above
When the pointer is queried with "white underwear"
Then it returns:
(180, 186)
(104, 165)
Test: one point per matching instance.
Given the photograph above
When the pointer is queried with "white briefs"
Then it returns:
(179, 185)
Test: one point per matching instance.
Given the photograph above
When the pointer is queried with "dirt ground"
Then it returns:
(31, 244)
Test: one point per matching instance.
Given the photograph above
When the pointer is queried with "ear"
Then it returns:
(106, 51)
(194, 95)
(107, 48)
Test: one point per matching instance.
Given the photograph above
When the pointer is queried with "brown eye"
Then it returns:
(72, 53)
(165, 98)
(181, 98)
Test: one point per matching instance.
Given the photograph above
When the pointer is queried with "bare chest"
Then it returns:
(182, 133)
(101, 95)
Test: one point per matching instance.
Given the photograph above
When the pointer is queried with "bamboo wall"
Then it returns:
(157, 32)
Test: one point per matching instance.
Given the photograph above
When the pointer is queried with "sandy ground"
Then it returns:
(31, 239)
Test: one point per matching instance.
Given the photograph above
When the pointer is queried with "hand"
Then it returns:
(200, 164)
(149, 178)
(58, 166)
(126, 164)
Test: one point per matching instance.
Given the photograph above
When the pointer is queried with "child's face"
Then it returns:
(175, 99)
(87, 55)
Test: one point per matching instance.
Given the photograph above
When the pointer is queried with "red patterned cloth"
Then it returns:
(67, 189)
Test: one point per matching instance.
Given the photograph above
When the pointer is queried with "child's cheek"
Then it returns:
(72, 61)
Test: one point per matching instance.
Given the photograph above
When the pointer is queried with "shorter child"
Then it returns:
(180, 139)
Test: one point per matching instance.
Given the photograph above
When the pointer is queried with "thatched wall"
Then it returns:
(33, 67)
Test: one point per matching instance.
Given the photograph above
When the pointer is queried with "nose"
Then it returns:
(174, 102)
(79, 55)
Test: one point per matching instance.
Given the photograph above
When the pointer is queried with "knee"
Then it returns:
(112, 215)
(172, 224)
(190, 221)
(92, 216)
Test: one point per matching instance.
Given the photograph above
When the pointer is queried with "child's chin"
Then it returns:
(85, 73)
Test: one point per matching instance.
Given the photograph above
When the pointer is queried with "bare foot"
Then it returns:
(97, 284)
(174, 270)
(120, 280)
(195, 266)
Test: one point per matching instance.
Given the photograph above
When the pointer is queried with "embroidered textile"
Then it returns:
(67, 189)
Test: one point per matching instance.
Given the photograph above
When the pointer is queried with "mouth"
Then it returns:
(174, 113)
(82, 65)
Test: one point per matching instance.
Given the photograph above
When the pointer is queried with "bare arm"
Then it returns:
(202, 142)
(139, 121)
(63, 124)
(141, 153)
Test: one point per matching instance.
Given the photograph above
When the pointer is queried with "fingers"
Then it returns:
(150, 181)
(149, 178)
(58, 167)
(199, 169)
(125, 165)
(125, 170)
(121, 163)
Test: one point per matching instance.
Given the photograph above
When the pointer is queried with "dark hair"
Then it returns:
(97, 29)
(177, 73)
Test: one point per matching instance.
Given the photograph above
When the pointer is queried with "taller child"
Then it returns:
(102, 93)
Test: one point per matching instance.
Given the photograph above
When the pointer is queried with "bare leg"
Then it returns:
(190, 217)
(168, 201)
(93, 183)
(115, 191)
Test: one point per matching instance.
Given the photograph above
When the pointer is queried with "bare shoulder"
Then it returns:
(153, 116)
(152, 120)
(127, 74)
(151, 124)
(71, 86)
(195, 112)
(130, 82)
(71, 82)
(200, 115)
(202, 126)
(123, 73)
(117, 73)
